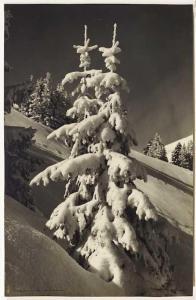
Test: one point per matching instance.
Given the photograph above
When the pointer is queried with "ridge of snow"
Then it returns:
(185, 176)
(16, 119)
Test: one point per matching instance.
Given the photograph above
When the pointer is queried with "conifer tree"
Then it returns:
(183, 157)
(37, 107)
(45, 104)
(190, 154)
(155, 148)
(108, 225)
(176, 154)
(56, 107)
(164, 154)
(146, 149)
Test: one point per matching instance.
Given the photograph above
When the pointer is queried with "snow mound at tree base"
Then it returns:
(35, 265)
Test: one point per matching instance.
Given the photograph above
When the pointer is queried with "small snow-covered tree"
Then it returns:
(176, 154)
(155, 148)
(183, 157)
(146, 149)
(56, 107)
(108, 225)
(190, 148)
(37, 106)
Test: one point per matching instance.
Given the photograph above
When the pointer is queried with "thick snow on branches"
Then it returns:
(69, 168)
(104, 218)
(144, 209)
(61, 132)
(84, 51)
(124, 169)
(109, 53)
(71, 77)
(109, 80)
(88, 125)
(84, 106)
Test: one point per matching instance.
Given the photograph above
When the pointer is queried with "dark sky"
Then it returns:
(157, 56)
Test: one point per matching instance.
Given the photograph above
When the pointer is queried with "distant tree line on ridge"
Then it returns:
(182, 155)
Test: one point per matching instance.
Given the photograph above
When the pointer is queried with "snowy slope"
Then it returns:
(170, 147)
(16, 119)
(170, 188)
(37, 265)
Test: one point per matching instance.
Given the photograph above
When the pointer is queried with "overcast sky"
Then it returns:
(157, 56)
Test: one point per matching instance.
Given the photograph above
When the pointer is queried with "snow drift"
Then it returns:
(30, 267)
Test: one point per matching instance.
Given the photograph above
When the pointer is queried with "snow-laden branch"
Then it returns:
(144, 208)
(107, 229)
(44, 176)
(118, 122)
(109, 54)
(107, 80)
(69, 216)
(57, 217)
(123, 169)
(61, 132)
(71, 167)
(106, 133)
(81, 49)
(125, 234)
(84, 50)
(85, 128)
(72, 76)
(117, 197)
(88, 125)
(84, 106)
(114, 102)
(106, 52)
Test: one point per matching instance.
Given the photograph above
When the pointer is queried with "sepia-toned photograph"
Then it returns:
(98, 149)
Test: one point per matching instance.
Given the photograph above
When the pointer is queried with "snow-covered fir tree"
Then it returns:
(183, 157)
(36, 107)
(190, 148)
(155, 148)
(44, 103)
(176, 154)
(57, 106)
(146, 149)
(108, 225)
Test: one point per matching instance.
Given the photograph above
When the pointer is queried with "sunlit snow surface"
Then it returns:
(170, 189)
